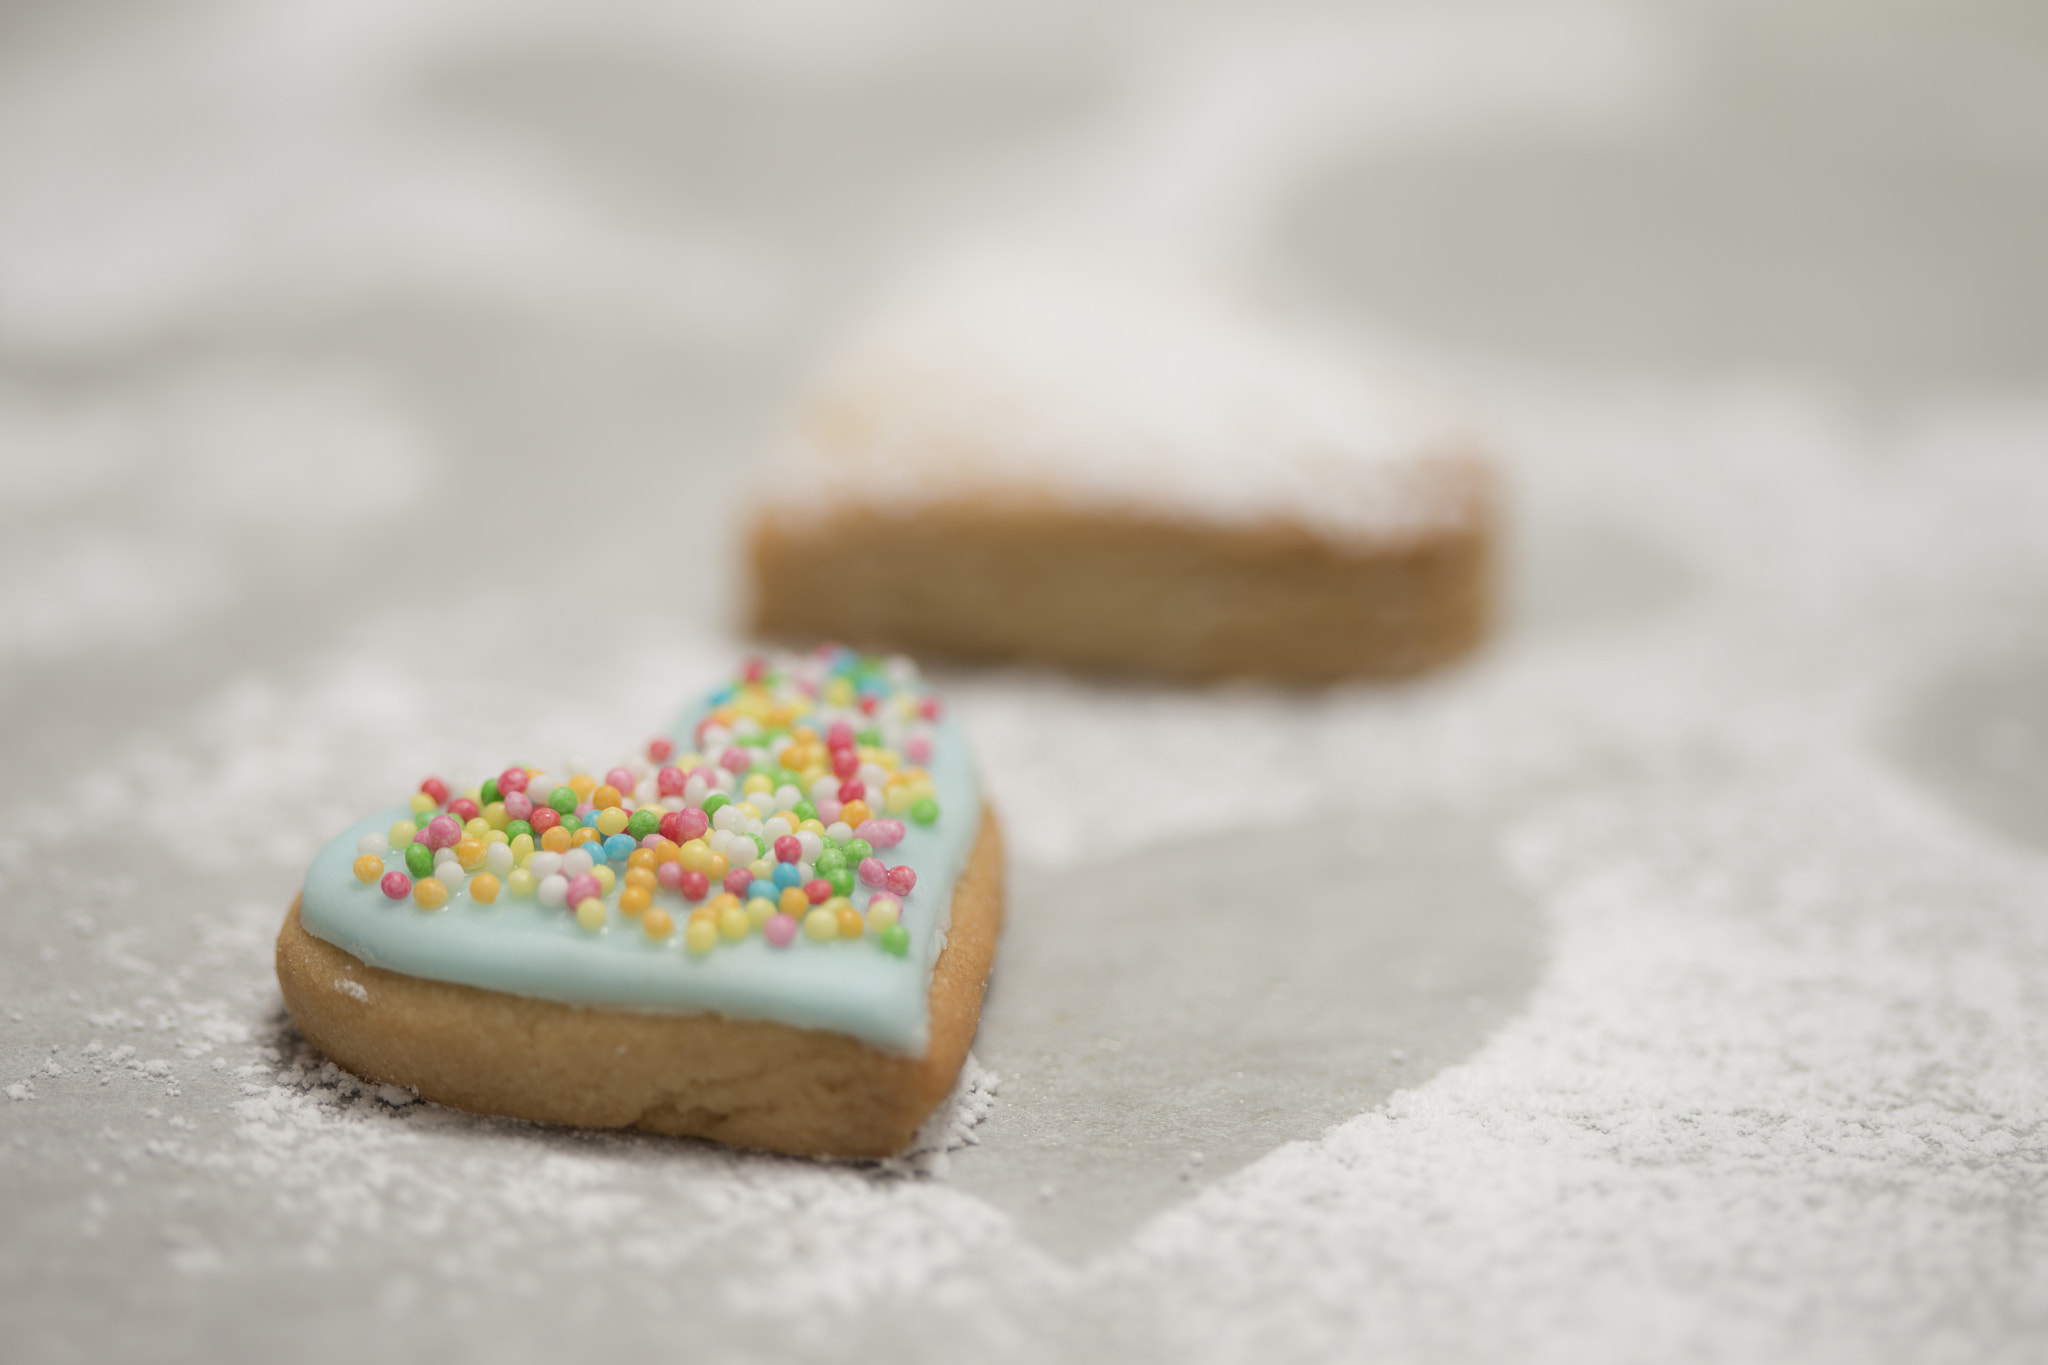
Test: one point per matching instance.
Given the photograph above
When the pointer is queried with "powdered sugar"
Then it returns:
(1116, 385)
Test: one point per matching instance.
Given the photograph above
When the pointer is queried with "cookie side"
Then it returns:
(744, 1082)
(1099, 590)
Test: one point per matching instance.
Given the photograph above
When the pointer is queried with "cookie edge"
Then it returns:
(747, 1083)
(1389, 605)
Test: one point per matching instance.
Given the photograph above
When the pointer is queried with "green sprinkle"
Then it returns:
(924, 811)
(842, 881)
(871, 737)
(489, 792)
(896, 940)
(570, 823)
(515, 828)
(830, 861)
(857, 849)
(716, 802)
(643, 823)
(563, 799)
(419, 860)
(804, 810)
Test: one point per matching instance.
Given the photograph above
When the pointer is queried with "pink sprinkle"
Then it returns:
(583, 888)
(787, 849)
(669, 875)
(652, 841)
(828, 810)
(867, 829)
(888, 833)
(621, 779)
(462, 808)
(690, 824)
(852, 789)
(780, 930)
(710, 775)
(435, 788)
(670, 781)
(873, 872)
(930, 708)
(518, 806)
(583, 809)
(867, 706)
(737, 880)
(512, 780)
(735, 760)
(902, 879)
(695, 885)
(845, 763)
(918, 749)
(839, 736)
(396, 885)
(817, 891)
(442, 832)
(756, 669)
(658, 750)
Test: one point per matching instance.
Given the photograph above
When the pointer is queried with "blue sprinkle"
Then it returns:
(787, 876)
(619, 845)
(765, 890)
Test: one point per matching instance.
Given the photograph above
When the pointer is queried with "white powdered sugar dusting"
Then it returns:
(1120, 385)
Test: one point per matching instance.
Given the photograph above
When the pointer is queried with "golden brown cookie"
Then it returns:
(739, 1081)
(1109, 471)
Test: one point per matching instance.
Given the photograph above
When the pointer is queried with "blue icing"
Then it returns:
(521, 947)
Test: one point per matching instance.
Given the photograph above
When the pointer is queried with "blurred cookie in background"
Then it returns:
(1112, 466)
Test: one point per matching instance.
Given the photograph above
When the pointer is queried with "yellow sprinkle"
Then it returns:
(604, 876)
(735, 923)
(421, 803)
(477, 827)
(701, 937)
(520, 882)
(522, 849)
(882, 914)
(755, 785)
(402, 834)
(822, 925)
(611, 820)
(759, 911)
(470, 853)
(494, 815)
(496, 836)
(590, 914)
